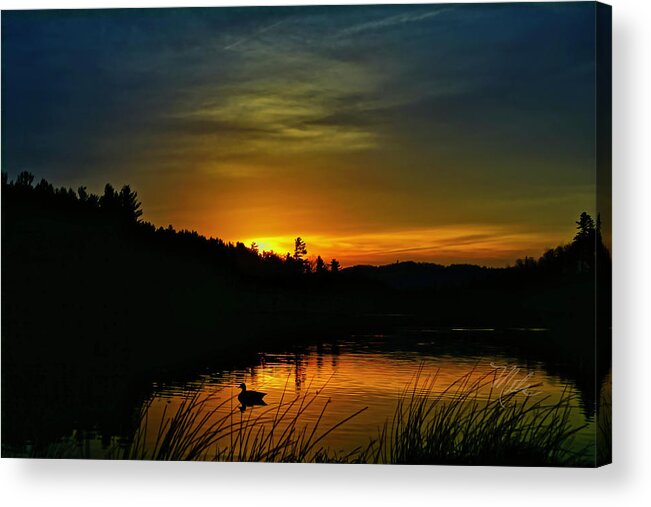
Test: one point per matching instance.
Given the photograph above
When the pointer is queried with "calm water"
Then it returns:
(370, 372)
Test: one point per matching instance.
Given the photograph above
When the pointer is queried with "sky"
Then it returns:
(442, 133)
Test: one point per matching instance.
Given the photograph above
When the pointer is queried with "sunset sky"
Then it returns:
(443, 133)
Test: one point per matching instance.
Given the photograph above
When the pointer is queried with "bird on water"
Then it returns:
(250, 398)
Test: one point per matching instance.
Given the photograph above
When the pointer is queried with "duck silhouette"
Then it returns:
(250, 398)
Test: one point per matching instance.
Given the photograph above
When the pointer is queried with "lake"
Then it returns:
(365, 375)
(314, 388)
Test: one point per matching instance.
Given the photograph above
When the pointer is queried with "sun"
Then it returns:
(277, 245)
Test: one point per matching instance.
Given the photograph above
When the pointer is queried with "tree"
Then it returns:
(584, 244)
(129, 204)
(321, 266)
(44, 187)
(24, 179)
(300, 248)
(585, 226)
(109, 200)
(528, 263)
(334, 266)
(254, 248)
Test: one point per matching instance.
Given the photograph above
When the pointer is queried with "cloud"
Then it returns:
(391, 21)
(258, 32)
(275, 96)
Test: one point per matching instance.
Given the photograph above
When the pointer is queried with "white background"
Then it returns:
(626, 482)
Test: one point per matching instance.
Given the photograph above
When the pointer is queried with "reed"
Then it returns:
(464, 425)
(471, 422)
(194, 431)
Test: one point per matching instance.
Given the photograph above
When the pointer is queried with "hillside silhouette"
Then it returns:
(96, 300)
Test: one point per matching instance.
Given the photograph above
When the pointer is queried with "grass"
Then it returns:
(460, 426)
(469, 423)
(261, 434)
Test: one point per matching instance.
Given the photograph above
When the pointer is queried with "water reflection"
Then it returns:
(328, 382)
(372, 373)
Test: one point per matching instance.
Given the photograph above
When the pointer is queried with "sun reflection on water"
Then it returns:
(349, 376)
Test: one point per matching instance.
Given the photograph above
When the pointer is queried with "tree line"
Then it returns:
(585, 254)
(121, 210)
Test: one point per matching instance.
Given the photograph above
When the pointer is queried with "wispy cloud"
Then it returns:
(276, 93)
(257, 33)
(391, 21)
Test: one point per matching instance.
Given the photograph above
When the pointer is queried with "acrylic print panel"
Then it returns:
(354, 234)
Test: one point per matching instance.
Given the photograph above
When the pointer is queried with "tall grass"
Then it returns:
(464, 425)
(195, 431)
(471, 422)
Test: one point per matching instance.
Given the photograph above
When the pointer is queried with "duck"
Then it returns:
(250, 398)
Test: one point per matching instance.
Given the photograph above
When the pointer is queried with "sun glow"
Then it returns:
(487, 245)
(278, 245)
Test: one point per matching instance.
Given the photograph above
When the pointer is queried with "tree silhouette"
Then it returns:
(585, 226)
(300, 248)
(129, 204)
(83, 194)
(24, 179)
(109, 201)
(334, 266)
(320, 266)
(44, 187)
(581, 256)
